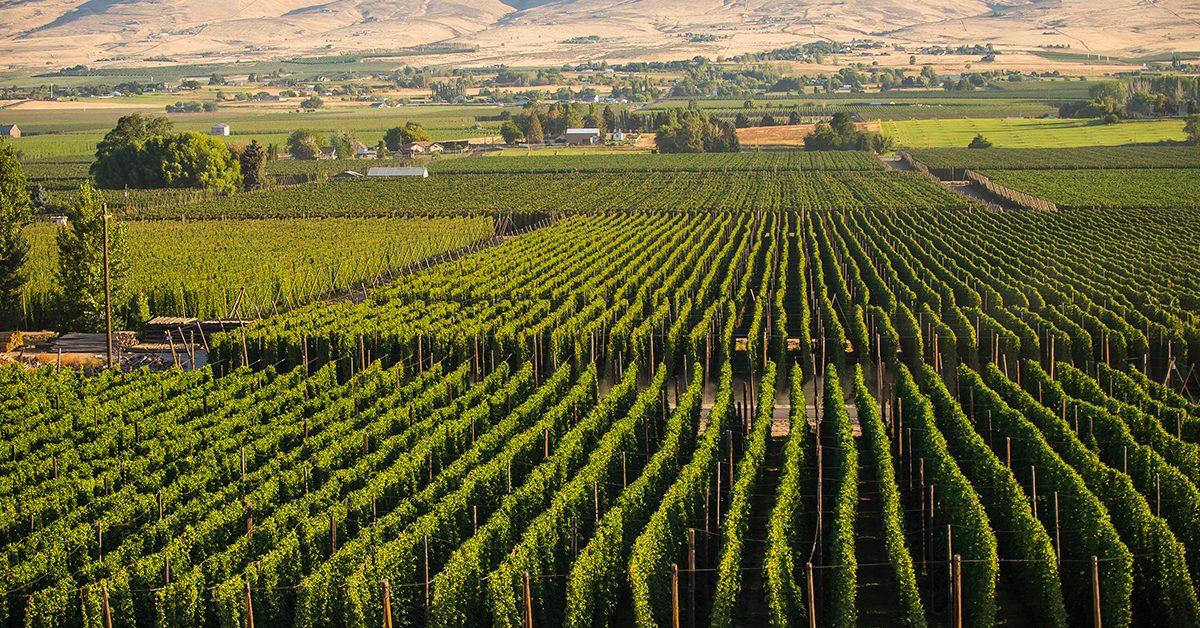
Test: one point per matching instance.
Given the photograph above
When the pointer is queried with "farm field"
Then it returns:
(543, 194)
(540, 428)
(75, 132)
(952, 161)
(1022, 133)
(206, 269)
(679, 162)
(1158, 188)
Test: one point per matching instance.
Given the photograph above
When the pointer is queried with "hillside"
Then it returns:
(58, 33)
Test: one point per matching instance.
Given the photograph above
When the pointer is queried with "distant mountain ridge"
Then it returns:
(58, 33)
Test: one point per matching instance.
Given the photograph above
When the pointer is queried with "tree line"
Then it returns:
(79, 297)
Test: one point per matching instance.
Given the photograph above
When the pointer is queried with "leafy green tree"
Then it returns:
(253, 160)
(610, 118)
(303, 145)
(16, 211)
(511, 132)
(741, 121)
(183, 160)
(312, 102)
(192, 160)
(842, 124)
(979, 142)
(131, 130)
(398, 136)
(39, 197)
(81, 263)
(344, 143)
(534, 133)
(1191, 127)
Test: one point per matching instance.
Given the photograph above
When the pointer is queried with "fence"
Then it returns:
(1014, 196)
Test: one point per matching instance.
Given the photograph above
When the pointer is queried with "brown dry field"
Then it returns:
(788, 134)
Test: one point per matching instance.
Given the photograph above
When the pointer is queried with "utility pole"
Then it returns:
(107, 293)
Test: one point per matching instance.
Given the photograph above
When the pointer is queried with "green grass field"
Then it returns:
(1019, 133)
(74, 132)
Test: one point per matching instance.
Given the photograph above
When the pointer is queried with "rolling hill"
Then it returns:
(56, 33)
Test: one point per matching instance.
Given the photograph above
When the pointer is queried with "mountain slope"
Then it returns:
(63, 32)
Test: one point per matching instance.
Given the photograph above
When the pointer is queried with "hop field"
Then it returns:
(1157, 188)
(205, 269)
(579, 426)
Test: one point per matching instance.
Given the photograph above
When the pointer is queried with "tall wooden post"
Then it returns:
(675, 595)
(812, 606)
(387, 605)
(958, 609)
(528, 600)
(107, 612)
(249, 606)
(107, 294)
(1096, 590)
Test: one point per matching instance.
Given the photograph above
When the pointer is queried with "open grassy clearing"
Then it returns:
(1020, 133)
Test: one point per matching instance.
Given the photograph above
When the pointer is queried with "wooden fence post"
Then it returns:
(528, 600)
(387, 605)
(249, 606)
(675, 595)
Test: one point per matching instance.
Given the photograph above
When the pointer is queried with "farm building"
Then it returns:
(347, 175)
(220, 130)
(10, 130)
(415, 149)
(421, 172)
(366, 153)
(328, 152)
(582, 137)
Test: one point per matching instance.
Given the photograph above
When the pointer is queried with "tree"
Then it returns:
(130, 130)
(610, 118)
(396, 137)
(534, 134)
(312, 102)
(183, 160)
(511, 132)
(767, 120)
(979, 142)
(344, 144)
(253, 160)
(39, 197)
(1191, 127)
(16, 211)
(81, 263)
(741, 120)
(303, 145)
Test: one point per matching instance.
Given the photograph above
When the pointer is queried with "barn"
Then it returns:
(421, 172)
(582, 137)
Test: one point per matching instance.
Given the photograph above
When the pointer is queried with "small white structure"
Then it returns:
(618, 136)
(220, 130)
(582, 137)
(420, 171)
(10, 130)
(347, 175)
